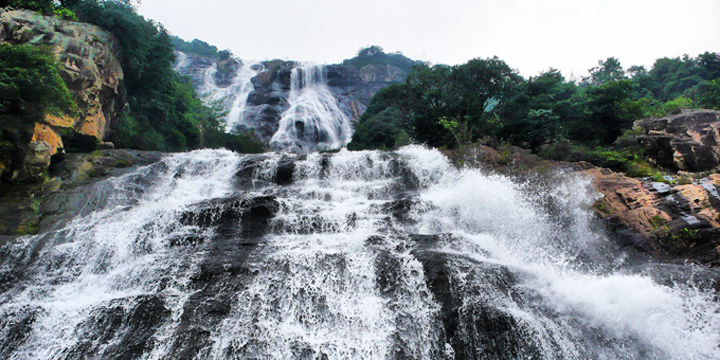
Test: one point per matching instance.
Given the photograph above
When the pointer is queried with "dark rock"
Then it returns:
(387, 273)
(14, 333)
(686, 141)
(217, 282)
(474, 324)
(284, 173)
(126, 326)
(247, 218)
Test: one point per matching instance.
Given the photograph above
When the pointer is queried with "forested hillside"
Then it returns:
(487, 100)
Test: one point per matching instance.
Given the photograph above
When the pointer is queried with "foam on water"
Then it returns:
(313, 121)
(340, 273)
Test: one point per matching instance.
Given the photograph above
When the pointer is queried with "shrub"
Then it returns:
(30, 82)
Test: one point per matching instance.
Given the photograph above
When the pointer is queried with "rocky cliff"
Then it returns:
(268, 99)
(89, 65)
(677, 218)
(681, 220)
(687, 141)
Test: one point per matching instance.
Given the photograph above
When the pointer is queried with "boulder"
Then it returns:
(687, 141)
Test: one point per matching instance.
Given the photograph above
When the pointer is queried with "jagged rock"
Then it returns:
(193, 66)
(268, 100)
(91, 70)
(252, 215)
(688, 141)
(680, 220)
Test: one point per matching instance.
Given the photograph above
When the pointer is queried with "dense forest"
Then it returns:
(164, 111)
(488, 101)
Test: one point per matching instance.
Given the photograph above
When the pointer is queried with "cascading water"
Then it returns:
(351, 255)
(233, 97)
(313, 121)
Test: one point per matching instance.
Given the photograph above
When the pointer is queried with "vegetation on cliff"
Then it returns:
(374, 55)
(30, 87)
(164, 112)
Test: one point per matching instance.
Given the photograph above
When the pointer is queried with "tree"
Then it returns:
(708, 94)
(609, 113)
(608, 70)
(43, 6)
(370, 51)
(709, 66)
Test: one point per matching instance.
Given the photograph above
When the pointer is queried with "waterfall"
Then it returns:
(233, 97)
(313, 121)
(348, 255)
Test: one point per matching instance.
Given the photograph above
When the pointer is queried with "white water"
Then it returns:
(312, 287)
(233, 97)
(313, 121)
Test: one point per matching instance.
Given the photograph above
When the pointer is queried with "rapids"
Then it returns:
(348, 255)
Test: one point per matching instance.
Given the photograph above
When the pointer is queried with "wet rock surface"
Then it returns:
(73, 189)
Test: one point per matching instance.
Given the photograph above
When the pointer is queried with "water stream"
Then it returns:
(313, 121)
(351, 255)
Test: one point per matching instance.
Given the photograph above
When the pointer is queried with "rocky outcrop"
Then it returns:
(354, 88)
(91, 70)
(677, 218)
(193, 66)
(30, 208)
(688, 141)
(680, 220)
(269, 98)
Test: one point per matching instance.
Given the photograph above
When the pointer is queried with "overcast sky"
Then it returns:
(531, 36)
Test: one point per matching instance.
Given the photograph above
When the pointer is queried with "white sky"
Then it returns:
(530, 35)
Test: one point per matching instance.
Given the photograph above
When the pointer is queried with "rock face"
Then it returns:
(688, 141)
(354, 88)
(268, 100)
(29, 208)
(90, 68)
(679, 220)
(192, 66)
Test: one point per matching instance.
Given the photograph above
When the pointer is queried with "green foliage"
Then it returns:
(708, 94)
(536, 113)
(30, 82)
(381, 126)
(224, 54)
(44, 6)
(65, 14)
(374, 55)
(196, 46)
(165, 112)
(467, 96)
(606, 71)
(630, 161)
(677, 105)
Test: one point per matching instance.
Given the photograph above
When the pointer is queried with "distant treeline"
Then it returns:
(374, 55)
(199, 47)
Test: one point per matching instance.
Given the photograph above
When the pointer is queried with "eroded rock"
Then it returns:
(680, 220)
(688, 141)
(90, 68)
